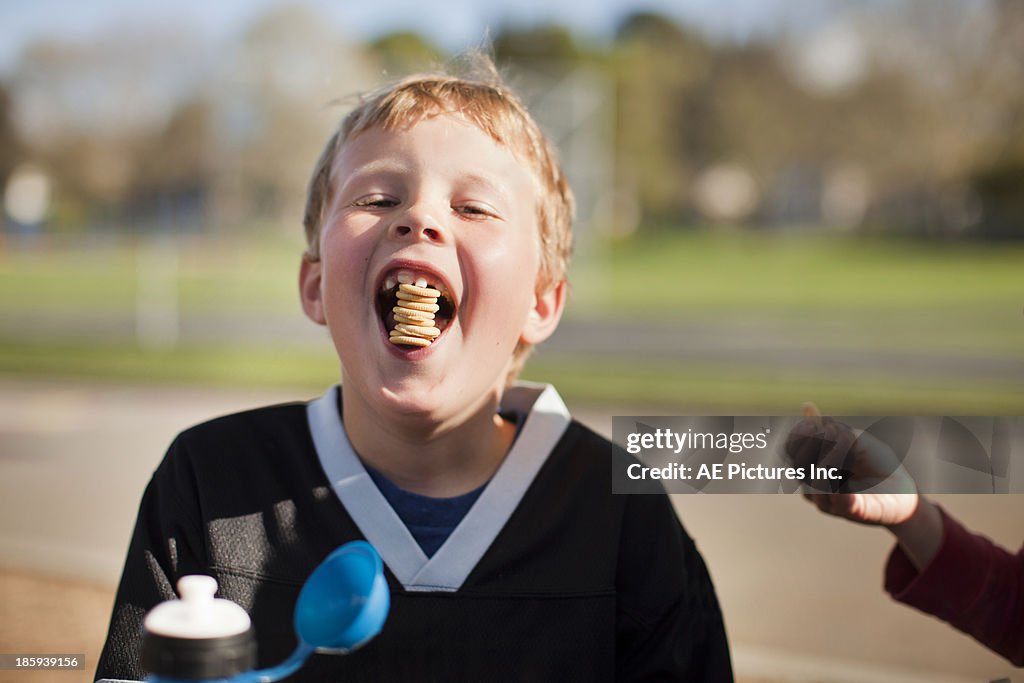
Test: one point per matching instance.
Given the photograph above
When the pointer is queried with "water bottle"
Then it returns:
(197, 638)
(342, 606)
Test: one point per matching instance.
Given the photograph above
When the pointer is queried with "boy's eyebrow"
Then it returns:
(387, 169)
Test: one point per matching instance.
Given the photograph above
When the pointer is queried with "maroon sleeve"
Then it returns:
(971, 583)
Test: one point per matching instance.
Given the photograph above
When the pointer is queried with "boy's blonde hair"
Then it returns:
(485, 101)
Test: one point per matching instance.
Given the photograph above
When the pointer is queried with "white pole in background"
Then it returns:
(157, 314)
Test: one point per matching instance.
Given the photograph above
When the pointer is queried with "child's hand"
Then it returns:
(869, 464)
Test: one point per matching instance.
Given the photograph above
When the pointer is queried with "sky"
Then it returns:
(453, 24)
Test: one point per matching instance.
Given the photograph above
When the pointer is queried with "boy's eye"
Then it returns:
(376, 201)
(476, 210)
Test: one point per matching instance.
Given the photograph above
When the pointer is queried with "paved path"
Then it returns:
(801, 592)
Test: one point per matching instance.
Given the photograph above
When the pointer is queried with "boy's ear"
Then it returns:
(309, 290)
(545, 314)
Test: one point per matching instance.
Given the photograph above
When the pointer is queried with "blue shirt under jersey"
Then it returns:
(430, 520)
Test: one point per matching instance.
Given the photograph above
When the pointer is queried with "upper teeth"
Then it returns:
(407, 277)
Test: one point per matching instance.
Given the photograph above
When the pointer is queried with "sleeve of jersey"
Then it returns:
(167, 543)
(971, 583)
(669, 623)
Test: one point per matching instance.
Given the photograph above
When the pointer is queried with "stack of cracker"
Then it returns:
(414, 316)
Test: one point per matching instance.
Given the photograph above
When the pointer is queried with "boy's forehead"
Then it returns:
(433, 142)
(436, 130)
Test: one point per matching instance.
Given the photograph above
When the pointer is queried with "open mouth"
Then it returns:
(415, 307)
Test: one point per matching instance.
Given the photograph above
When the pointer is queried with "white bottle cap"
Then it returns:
(197, 614)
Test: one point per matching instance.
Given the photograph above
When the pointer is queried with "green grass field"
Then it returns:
(899, 297)
(104, 278)
(863, 293)
(814, 273)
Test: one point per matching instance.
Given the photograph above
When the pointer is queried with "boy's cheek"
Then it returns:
(510, 269)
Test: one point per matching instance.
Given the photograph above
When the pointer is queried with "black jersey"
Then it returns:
(549, 577)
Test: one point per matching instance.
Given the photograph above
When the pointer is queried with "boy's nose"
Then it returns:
(416, 224)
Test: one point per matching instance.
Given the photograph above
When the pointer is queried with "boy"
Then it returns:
(506, 554)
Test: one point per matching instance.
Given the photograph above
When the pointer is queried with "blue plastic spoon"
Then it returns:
(341, 607)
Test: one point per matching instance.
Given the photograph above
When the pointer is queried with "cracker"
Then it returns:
(406, 296)
(430, 308)
(409, 341)
(417, 330)
(421, 316)
(418, 291)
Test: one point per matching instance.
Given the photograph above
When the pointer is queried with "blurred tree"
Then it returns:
(85, 110)
(548, 49)
(1008, 59)
(993, 82)
(968, 61)
(563, 83)
(664, 115)
(173, 169)
(272, 99)
(934, 111)
(650, 26)
(405, 52)
(11, 148)
(153, 112)
(793, 138)
(958, 67)
(687, 105)
(121, 82)
(178, 156)
(1000, 191)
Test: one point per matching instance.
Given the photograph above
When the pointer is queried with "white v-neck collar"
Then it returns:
(547, 418)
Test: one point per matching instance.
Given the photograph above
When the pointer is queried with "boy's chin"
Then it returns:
(411, 399)
(435, 399)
